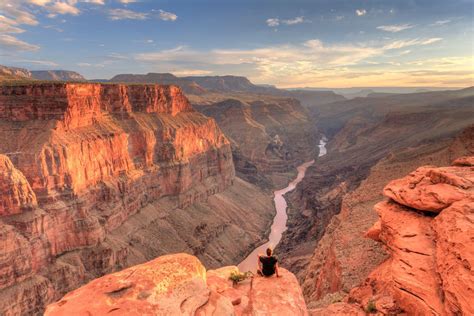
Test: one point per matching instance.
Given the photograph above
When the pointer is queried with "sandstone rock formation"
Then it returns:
(96, 177)
(178, 284)
(429, 270)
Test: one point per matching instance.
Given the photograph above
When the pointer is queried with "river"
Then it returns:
(281, 217)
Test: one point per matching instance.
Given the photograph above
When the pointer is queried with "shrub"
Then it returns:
(370, 308)
(238, 276)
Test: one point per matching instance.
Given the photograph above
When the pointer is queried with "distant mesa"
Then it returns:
(14, 73)
(187, 85)
(57, 75)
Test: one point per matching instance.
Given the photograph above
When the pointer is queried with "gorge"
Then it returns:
(110, 178)
(279, 224)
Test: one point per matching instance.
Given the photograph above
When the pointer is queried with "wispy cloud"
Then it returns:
(440, 22)
(38, 62)
(405, 43)
(361, 12)
(167, 16)
(124, 14)
(63, 8)
(274, 22)
(296, 20)
(395, 28)
(12, 43)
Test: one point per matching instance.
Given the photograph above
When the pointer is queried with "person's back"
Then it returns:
(268, 265)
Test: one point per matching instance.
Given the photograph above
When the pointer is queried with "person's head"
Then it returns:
(269, 252)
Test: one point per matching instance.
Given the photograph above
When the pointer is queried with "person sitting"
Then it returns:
(268, 265)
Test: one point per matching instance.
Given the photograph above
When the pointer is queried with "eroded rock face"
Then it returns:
(179, 285)
(429, 270)
(79, 160)
(15, 191)
(270, 136)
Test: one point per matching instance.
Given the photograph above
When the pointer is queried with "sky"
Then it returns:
(297, 43)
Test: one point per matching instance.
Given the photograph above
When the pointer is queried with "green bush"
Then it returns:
(370, 308)
(238, 276)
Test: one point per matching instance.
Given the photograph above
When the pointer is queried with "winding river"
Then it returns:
(281, 217)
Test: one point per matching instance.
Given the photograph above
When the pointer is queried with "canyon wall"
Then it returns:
(270, 136)
(333, 206)
(80, 162)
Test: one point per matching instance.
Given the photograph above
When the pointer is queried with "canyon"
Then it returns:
(97, 177)
(425, 224)
(371, 144)
(135, 177)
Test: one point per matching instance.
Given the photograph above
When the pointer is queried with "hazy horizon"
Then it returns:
(317, 44)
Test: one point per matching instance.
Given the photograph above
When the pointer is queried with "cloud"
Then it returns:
(274, 22)
(116, 56)
(191, 72)
(99, 2)
(361, 12)
(38, 62)
(431, 40)
(395, 28)
(296, 20)
(405, 43)
(8, 26)
(167, 16)
(40, 3)
(16, 14)
(12, 43)
(440, 22)
(128, 1)
(268, 62)
(63, 8)
(124, 14)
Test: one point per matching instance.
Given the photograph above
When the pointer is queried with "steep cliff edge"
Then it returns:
(427, 227)
(362, 157)
(179, 284)
(80, 162)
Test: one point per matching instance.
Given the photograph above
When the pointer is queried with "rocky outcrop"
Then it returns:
(178, 284)
(429, 270)
(15, 191)
(96, 177)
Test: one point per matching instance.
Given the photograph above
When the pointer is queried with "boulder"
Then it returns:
(431, 189)
(168, 285)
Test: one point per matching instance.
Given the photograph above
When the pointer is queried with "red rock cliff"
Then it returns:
(77, 160)
(428, 229)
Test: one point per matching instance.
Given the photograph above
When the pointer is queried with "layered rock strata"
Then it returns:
(179, 284)
(427, 227)
(270, 136)
(79, 161)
